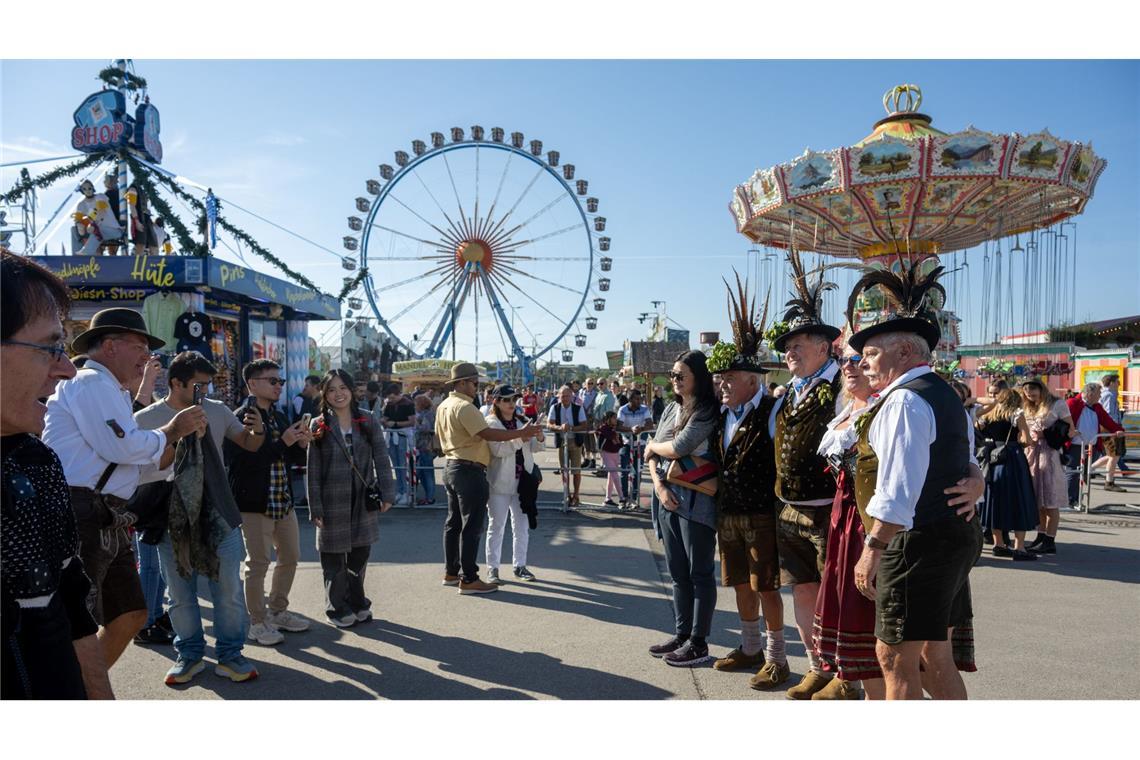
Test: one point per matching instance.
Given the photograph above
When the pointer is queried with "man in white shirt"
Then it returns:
(569, 421)
(635, 421)
(919, 551)
(90, 425)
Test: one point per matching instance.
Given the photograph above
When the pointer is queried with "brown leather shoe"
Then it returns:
(811, 683)
(477, 587)
(837, 689)
(771, 675)
(451, 580)
(737, 660)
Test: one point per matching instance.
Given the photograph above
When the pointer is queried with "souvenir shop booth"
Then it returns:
(229, 313)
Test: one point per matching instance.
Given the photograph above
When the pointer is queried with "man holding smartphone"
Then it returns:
(264, 493)
(189, 375)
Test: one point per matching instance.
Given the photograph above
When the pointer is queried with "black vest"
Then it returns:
(949, 454)
(801, 473)
(748, 466)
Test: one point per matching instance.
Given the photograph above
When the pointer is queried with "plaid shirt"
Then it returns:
(280, 502)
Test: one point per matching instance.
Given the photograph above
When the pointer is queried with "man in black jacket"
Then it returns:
(264, 494)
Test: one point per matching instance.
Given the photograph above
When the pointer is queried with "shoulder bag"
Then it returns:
(373, 499)
(694, 473)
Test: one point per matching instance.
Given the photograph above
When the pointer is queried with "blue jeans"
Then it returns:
(424, 462)
(398, 453)
(630, 469)
(690, 553)
(231, 620)
(151, 578)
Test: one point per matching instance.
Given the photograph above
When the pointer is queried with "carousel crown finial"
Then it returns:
(897, 96)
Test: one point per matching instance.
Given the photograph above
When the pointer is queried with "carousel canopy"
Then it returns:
(910, 188)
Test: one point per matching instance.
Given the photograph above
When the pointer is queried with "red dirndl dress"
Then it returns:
(843, 631)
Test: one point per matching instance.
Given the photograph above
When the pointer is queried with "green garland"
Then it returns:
(113, 77)
(186, 241)
(775, 331)
(56, 174)
(238, 233)
(351, 286)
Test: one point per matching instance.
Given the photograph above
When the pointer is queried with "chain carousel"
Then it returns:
(911, 190)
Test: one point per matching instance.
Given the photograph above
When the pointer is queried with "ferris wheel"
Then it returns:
(480, 248)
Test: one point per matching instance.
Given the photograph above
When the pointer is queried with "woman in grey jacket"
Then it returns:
(688, 518)
(347, 454)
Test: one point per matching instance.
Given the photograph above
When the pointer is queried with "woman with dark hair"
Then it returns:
(347, 456)
(688, 520)
(509, 460)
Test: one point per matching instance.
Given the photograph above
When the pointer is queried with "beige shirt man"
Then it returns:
(458, 424)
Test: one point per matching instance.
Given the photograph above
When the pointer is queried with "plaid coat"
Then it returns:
(336, 494)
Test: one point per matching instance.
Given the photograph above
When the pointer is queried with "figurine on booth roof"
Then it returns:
(111, 190)
(162, 239)
(96, 229)
(142, 226)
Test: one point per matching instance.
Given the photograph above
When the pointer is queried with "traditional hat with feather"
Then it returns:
(747, 333)
(909, 290)
(804, 313)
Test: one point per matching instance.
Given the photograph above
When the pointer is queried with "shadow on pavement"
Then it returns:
(529, 671)
(1079, 560)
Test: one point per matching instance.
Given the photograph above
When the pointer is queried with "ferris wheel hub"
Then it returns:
(473, 252)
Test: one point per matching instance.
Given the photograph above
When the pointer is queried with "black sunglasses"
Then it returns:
(676, 376)
(272, 380)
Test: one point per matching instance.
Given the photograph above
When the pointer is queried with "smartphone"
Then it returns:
(305, 419)
(163, 360)
(197, 394)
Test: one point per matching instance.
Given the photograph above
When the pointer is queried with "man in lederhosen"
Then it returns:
(913, 449)
(746, 497)
(804, 488)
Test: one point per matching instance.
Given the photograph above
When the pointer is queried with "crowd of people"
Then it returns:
(855, 484)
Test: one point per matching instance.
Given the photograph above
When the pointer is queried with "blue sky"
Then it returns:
(662, 143)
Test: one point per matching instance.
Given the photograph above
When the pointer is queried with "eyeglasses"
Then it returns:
(676, 376)
(853, 359)
(274, 381)
(57, 351)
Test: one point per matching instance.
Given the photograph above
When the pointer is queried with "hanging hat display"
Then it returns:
(910, 309)
(747, 334)
(804, 313)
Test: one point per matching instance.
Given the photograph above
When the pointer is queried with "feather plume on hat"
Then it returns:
(804, 312)
(747, 332)
(910, 291)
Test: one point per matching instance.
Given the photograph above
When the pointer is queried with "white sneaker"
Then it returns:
(364, 616)
(288, 621)
(343, 622)
(265, 634)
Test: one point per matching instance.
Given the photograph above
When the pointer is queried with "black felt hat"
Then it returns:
(110, 321)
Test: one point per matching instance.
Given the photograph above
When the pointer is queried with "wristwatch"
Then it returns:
(874, 543)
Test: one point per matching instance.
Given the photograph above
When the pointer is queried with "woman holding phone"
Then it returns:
(348, 456)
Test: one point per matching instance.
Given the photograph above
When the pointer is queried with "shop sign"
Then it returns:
(146, 271)
(115, 293)
(102, 123)
(237, 279)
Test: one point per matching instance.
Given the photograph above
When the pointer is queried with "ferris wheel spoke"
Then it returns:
(410, 280)
(540, 279)
(514, 257)
(526, 191)
(405, 235)
(502, 322)
(547, 236)
(446, 235)
(418, 301)
(426, 328)
(500, 279)
(561, 197)
(459, 203)
(455, 228)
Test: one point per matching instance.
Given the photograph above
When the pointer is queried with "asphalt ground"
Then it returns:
(1064, 627)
